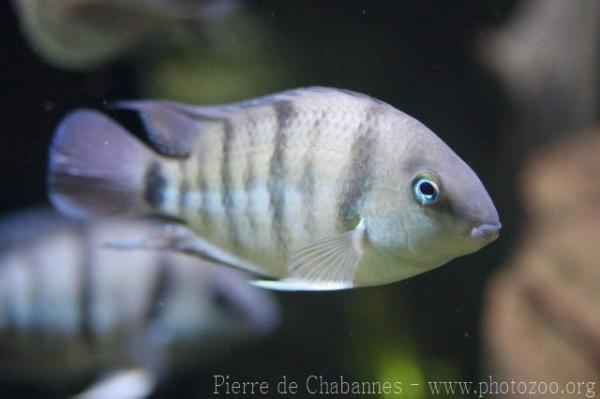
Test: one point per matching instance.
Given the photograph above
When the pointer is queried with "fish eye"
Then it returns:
(426, 188)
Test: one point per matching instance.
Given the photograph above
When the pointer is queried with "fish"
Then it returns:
(72, 306)
(311, 189)
(86, 34)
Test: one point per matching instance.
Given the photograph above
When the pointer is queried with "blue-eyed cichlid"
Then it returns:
(316, 188)
(70, 307)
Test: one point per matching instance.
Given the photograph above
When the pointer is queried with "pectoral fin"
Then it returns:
(124, 384)
(327, 264)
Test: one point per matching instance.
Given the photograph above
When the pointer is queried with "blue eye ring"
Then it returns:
(426, 188)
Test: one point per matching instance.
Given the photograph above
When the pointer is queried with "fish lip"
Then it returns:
(486, 231)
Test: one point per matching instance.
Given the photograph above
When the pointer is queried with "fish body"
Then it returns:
(70, 306)
(314, 187)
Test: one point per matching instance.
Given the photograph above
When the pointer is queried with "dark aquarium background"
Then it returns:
(510, 86)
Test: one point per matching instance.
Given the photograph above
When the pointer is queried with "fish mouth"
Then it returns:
(486, 231)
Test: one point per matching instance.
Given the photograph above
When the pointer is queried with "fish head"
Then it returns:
(445, 211)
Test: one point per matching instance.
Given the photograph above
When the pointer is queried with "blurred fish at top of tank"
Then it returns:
(71, 307)
(80, 34)
(318, 188)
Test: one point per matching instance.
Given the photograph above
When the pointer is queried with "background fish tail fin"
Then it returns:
(124, 384)
(96, 167)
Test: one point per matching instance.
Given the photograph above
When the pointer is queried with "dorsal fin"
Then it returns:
(173, 127)
(287, 95)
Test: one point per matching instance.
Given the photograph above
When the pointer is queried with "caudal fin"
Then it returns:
(96, 167)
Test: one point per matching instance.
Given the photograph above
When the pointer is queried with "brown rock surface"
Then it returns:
(542, 315)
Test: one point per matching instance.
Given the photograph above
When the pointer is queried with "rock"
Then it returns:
(542, 311)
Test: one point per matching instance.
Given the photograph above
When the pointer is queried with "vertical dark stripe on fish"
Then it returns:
(203, 190)
(184, 188)
(204, 214)
(157, 296)
(308, 179)
(356, 184)
(284, 111)
(250, 177)
(86, 287)
(155, 185)
(227, 183)
(308, 190)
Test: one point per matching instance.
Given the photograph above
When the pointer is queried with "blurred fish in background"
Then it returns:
(72, 308)
(181, 48)
(541, 320)
(83, 34)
